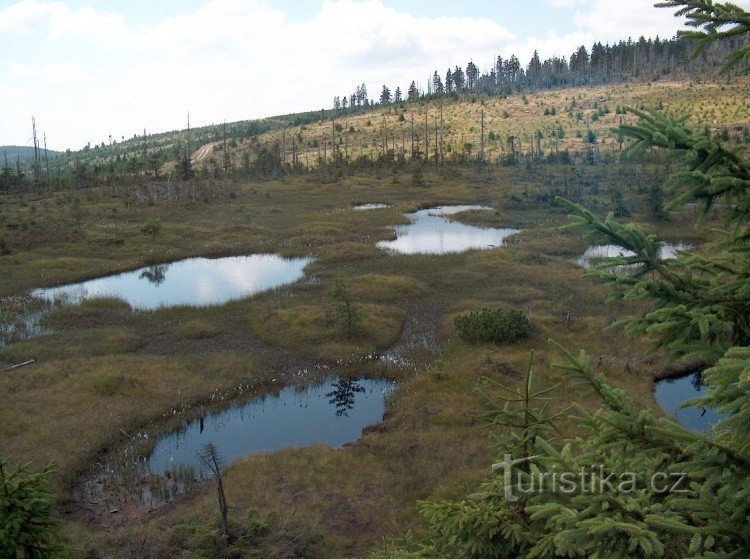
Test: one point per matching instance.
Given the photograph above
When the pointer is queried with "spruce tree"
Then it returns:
(413, 93)
(459, 80)
(652, 488)
(437, 84)
(385, 95)
(449, 81)
(28, 522)
(472, 75)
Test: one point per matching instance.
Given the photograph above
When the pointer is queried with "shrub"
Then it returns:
(257, 523)
(417, 175)
(152, 228)
(346, 314)
(498, 325)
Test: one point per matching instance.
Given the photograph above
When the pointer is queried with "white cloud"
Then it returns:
(213, 28)
(91, 73)
(53, 20)
(229, 59)
(610, 21)
(57, 73)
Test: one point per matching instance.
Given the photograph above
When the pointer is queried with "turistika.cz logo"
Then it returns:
(591, 480)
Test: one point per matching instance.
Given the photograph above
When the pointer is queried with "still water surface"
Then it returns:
(333, 413)
(194, 281)
(671, 393)
(432, 232)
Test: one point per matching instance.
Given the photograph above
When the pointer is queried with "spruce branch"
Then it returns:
(712, 22)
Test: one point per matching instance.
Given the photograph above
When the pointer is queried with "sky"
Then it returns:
(88, 69)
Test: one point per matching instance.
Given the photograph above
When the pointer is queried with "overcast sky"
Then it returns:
(88, 69)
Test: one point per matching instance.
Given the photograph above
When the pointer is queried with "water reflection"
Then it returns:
(194, 281)
(672, 393)
(333, 413)
(431, 232)
(343, 395)
(155, 274)
(20, 319)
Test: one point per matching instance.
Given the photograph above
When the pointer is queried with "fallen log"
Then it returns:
(19, 365)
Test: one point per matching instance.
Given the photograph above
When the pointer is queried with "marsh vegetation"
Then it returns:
(158, 313)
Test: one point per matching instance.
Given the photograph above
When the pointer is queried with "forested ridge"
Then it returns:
(642, 61)
(625, 61)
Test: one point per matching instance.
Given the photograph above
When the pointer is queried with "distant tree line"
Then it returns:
(644, 60)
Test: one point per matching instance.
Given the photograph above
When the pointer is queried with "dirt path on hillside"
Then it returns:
(201, 153)
(198, 155)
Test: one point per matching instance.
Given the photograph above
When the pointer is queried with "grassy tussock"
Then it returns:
(382, 288)
(110, 303)
(90, 341)
(197, 329)
(310, 327)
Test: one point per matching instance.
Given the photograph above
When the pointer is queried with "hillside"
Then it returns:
(24, 153)
(562, 119)
(128, 153)
(578, 120)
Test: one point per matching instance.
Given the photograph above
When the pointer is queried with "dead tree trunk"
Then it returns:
(46, 158)
(442, 153)
(37, 167)
(212, 461)
(412, 136)
(437, 149)
(481, 140)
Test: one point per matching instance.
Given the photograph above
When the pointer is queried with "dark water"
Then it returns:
(194, 281)
(431, 232)
(671, 393)
(332, 413)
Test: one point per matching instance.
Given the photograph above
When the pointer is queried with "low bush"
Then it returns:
(197, 329)
(494, 325)
(417, 175)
